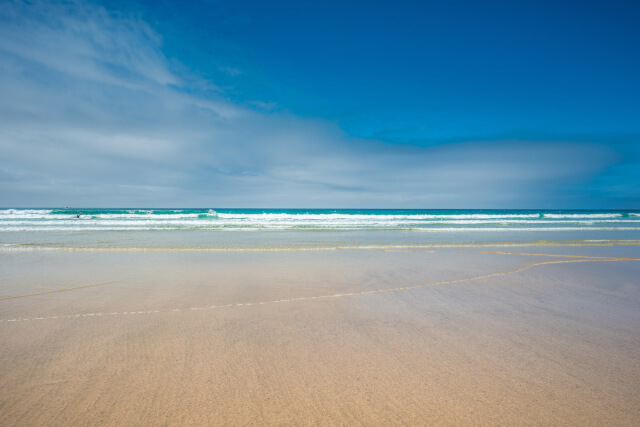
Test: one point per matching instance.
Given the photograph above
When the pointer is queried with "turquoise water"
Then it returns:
(221, 228)
(44, 220)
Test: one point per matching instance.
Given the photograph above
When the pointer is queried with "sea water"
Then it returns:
(220, 229)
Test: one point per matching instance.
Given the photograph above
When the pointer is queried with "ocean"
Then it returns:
(215, 228)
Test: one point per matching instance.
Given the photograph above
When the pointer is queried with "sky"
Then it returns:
(333, 104)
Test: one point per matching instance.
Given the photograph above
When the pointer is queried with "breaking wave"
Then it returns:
(279, 219)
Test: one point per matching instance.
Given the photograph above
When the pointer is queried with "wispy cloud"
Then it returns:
(230, 71)
(93, 113)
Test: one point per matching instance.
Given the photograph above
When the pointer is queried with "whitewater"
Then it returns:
(44, 220)
(220, 229)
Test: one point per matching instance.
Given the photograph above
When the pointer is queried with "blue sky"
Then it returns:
(329, 104)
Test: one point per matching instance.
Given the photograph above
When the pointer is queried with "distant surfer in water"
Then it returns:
(78, 216)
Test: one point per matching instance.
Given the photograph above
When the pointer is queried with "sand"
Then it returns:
(351, 337)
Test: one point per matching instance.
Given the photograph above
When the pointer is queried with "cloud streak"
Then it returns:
(94, 114)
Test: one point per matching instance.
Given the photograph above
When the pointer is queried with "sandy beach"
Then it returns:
(259, 213)
(352, 337)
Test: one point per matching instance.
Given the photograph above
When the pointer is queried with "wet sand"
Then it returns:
(349, 337)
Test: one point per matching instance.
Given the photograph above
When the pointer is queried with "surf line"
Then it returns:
(585, 257)
(60, 290)
(318, 297)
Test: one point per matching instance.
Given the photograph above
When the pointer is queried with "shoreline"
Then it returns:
(308, 298)
(28, 247)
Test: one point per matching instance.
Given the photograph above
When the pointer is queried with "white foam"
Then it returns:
(583, 215)
(41, 220)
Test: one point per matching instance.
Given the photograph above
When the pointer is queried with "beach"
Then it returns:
(231, 213)
(461, 334)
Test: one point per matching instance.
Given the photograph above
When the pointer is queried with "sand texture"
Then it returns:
(348, 337)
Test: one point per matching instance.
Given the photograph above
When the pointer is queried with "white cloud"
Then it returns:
(92, 113)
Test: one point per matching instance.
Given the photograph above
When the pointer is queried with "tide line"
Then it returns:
(59, 290)
(320, 297)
